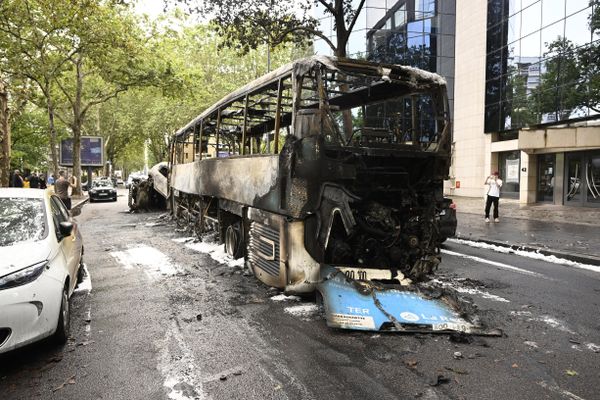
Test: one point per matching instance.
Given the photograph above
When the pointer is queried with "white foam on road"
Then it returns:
(549, 320)
(471, 291)
(216, 252)
(563, 393)
(593, 347)
(303, 311)
(553, 322)
(283, 297)
(178, 367)
(155, 263)
(523, 253)
(184, 239)
(494, 263)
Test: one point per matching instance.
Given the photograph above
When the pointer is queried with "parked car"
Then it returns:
(40, 261)
(103, 190)
(447, 222)
(120, 181)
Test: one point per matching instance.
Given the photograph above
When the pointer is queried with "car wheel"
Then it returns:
(115, 199)
(91, 200)
(64, 319)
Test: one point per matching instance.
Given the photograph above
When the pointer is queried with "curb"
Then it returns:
(80, 203)
(579, 258)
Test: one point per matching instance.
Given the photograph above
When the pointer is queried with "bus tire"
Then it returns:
(234, 240)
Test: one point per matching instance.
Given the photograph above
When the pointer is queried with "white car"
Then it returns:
(40, 259)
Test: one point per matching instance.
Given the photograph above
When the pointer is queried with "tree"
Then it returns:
(4, 135)
(202, 73)
(111, 57)
(589, 62)
(30, 139)
(36, 48)
(249, 24)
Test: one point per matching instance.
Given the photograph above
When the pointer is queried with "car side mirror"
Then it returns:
(65, 228)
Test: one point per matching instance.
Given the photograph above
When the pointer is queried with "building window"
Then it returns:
(543, 62)
(422, 36)
(400, 17)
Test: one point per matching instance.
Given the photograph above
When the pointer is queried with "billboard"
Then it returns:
(91, 151)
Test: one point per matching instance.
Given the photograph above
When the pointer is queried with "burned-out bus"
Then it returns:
(322, 162)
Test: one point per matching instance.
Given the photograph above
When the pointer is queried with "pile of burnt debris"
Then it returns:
(143, 197)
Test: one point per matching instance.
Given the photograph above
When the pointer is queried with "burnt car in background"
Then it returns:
(103, 190)
(149, 192)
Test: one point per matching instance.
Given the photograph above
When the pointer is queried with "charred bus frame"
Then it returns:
(324, 161)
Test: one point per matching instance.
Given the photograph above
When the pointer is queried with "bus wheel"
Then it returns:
(234, 240)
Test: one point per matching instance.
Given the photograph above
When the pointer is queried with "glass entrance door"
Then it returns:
(573, 175)
(545, 185)
(592, 179)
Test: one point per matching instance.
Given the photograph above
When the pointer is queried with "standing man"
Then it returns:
(34, 181)
(61, 188)
(493, 195)
(17, 179)
(42, 181)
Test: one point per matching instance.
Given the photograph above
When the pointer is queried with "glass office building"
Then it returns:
(542, 62)
(419, 33)
(543, 69)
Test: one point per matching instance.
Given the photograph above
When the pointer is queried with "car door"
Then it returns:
(70, 245)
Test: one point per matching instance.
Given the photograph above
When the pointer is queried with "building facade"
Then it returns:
(524, 86)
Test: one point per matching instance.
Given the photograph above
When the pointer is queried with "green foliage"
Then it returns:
(523, 112)
(202, 73)
(251, 24)
(102, 71)
(30, 139)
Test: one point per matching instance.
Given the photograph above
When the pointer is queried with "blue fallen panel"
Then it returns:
(364, 305)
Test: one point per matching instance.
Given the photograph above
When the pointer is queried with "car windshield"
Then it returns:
(21, 220)
(103, 184)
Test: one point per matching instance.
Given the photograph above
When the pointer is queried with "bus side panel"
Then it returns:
(248, 180)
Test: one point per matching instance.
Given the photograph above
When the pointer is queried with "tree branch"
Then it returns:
(68, 96)
(356, 14)
(103, 99)
(328, 6)
(309, 30)
(61, 118)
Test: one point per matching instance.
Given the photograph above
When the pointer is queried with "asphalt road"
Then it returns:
(164, 320)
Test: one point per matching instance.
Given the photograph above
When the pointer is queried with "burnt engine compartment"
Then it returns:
(386, 237)
(379, 211)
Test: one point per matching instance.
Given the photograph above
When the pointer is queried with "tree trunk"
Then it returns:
(342, 35)
(76, 127)
(4, 136)
(341, 32)
(53, 135)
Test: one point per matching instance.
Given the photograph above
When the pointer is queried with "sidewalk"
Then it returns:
(566, 232)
